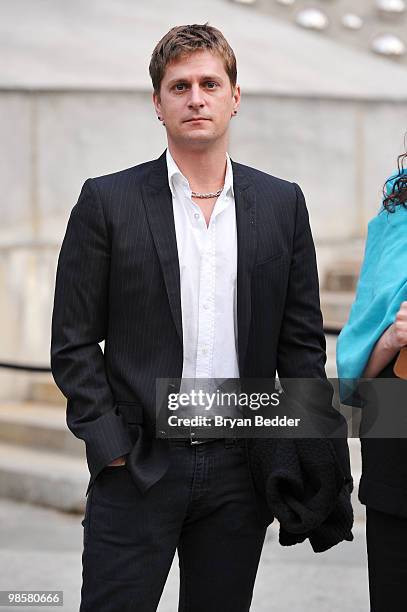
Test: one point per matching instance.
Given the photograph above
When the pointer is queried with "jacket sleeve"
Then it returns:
(79, 323)
(301, 349)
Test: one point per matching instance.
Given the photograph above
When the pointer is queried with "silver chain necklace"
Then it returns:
(214, 194)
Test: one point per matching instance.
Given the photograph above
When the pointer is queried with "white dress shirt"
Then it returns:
(208, 274)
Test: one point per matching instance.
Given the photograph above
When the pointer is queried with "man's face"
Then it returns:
(196, 100)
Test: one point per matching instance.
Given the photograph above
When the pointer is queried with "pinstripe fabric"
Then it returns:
(118, 280)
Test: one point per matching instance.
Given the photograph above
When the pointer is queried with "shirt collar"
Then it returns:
(175, 174)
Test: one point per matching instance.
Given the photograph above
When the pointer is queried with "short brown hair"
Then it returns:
(183, 40)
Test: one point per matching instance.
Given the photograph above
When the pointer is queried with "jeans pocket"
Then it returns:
(114, 487)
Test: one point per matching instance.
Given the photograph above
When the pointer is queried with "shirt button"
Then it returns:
(196, 215)
(204, 351)
(206, 306)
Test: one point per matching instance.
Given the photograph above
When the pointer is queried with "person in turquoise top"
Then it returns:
(368, 347)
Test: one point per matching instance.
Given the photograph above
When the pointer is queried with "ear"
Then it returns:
(236, 97)
(157, 103)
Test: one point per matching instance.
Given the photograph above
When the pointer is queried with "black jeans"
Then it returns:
(387, 560)
(205, 506)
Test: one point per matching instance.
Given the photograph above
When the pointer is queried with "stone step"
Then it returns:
(43, 389)
(335, 307)
(38, 426)
(343, 276)
(43, 478)
(331, 370)
(48, 479)
(58, 476)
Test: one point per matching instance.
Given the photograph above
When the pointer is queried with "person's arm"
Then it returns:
(388, 345)
(301, 347)
(79, 323)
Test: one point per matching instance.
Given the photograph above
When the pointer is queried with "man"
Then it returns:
(190, 265)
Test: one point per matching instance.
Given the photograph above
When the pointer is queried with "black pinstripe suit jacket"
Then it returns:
(118, 281)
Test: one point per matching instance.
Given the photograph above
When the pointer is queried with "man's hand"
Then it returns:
(118, 461)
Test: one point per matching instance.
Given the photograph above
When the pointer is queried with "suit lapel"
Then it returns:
(158, 205)
(245, 204)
